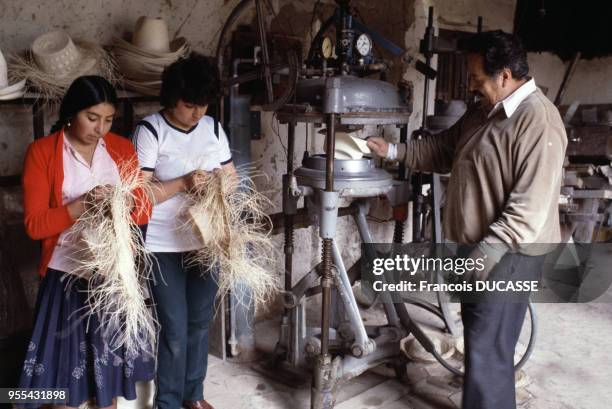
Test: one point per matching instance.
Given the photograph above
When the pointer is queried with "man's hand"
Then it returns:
(378, 145)
(486, 256)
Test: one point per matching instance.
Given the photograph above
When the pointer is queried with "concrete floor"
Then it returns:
(570, 369)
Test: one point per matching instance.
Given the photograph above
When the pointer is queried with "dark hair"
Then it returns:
(192, 80)
(499, 50)
(84, 92)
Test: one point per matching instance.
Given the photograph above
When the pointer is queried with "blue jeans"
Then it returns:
(184, 299)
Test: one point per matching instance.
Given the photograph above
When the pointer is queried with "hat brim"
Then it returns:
(145, 87)
(136, 69)
(347, 147)
(86, 67)
(90, 56)
(11, 89)
(151, 62)
(347, 154)
(178, 47)
(141, 68)
(14, 95)
(154, 83)
(142, 64)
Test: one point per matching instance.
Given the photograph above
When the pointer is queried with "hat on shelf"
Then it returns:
(55, 60)
(9, 91)
(142, 61)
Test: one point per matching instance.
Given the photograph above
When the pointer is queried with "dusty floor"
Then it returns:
(570, 369)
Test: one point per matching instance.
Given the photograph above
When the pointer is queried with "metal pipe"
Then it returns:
(428, 54)
(398, 229)
(398, 232)
(264, 53)
(326, 282)
(289, 236)
(403, 139)
(331, 148)
(418, 209)
(242, 310)
(326, 278)
(348, 298)
(288, 320)
(233, 341)
(290, 147)
(288, 251)
(294, 353)
(366, 237)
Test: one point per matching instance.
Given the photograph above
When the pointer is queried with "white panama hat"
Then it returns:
(8, 91)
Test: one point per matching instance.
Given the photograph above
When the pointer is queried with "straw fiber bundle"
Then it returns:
(117, 266)
(228, 215)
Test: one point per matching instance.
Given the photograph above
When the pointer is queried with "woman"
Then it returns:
(62, 172)
(174, 147)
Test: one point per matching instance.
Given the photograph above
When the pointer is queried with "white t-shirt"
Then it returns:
(170, 152)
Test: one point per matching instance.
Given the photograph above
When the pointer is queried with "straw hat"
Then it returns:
(142, 61)
(151, 34)
(151, 39)
(57, 55)
(444, 345)
(349, 147)
(55, 60)
(9, 91)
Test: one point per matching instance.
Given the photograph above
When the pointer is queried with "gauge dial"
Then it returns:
(327, 47)
(363, 44)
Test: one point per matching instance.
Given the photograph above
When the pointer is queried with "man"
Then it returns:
(505, 156)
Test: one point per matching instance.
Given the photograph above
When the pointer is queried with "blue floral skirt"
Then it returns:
(68, 351)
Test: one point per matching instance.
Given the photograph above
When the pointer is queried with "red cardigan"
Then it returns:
(43, 175)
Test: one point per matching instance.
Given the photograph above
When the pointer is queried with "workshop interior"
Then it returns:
(303, 87)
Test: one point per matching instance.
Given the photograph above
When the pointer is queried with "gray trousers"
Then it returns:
(491, 332)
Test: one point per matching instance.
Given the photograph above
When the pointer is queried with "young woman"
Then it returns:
(63, 171)
(174, 147)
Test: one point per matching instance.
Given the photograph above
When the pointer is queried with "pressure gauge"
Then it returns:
(327, 47)
(363, 44)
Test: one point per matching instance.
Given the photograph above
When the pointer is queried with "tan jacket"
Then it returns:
(506, 173)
